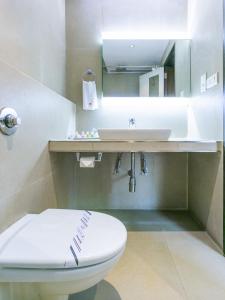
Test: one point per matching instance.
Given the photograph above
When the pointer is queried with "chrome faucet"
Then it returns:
(132, 123)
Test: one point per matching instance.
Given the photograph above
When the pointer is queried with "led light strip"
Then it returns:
(145, 35)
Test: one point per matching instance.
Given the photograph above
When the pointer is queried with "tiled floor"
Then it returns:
(168, 263)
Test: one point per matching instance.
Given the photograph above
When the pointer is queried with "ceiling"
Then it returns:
(133, 52)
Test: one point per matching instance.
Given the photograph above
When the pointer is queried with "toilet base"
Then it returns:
(56, 284)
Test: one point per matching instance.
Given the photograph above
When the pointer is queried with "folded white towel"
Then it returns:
(90, 100)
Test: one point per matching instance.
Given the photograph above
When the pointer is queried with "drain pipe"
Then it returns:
(131, 173)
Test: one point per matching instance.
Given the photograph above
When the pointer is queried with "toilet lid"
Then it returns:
(64, 239)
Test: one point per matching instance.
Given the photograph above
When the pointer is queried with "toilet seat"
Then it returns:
(63, 240)
(56, 275)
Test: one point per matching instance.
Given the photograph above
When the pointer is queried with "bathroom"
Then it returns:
(174, 210)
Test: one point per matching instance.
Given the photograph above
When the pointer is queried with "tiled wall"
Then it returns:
(163, 188)
(26, 168)
(206, 29)
(99, 188)
(161, 113)
(206, 170)
(31, 179)
(32, 39)
(85, 23)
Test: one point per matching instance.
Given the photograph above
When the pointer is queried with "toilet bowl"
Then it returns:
(61, 252)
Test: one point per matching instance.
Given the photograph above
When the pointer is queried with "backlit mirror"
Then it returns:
(146, 68)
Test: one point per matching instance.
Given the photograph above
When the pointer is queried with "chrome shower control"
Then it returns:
(9, 120)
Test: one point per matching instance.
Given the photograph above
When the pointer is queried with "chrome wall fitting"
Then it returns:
(143, 163)
(9, 121)
(132, 123)
(118, 163)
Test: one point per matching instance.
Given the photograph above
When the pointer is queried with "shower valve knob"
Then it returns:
(9, 120)
(12, 121)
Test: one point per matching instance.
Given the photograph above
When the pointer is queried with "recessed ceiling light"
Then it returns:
(132, 46)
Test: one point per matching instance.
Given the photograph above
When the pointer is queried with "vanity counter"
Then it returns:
(134, 146)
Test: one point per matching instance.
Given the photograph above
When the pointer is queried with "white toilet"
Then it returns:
(61, 251)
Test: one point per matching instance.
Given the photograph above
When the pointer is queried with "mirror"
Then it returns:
(146, 68)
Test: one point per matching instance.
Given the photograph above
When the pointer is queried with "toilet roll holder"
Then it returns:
(98, 156)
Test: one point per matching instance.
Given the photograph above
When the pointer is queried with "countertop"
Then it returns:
(97, 145)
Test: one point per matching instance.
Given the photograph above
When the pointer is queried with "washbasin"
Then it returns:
(134, 134)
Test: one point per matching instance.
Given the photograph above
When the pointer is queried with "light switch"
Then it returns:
(213, 81)
(203, 83)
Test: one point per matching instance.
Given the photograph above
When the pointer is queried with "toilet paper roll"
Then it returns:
(87, 162)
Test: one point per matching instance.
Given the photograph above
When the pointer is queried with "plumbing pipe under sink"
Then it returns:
(131, 173)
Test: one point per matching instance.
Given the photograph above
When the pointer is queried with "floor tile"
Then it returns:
(200, 266)
(167, 257)
(146, 271)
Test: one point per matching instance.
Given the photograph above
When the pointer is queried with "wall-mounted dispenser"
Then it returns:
(9, 121)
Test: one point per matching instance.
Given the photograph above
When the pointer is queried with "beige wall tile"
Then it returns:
(83, 32)
(208, 114)
(98, 188)
(147, 16)
(87, 25)
(206, 119)
(85, 21)
(4, 291)
(26, 169)
(42, 119)
(78, 61)
(32, 39)
(206, 192)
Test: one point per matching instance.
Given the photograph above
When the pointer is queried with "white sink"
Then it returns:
(134, 134)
